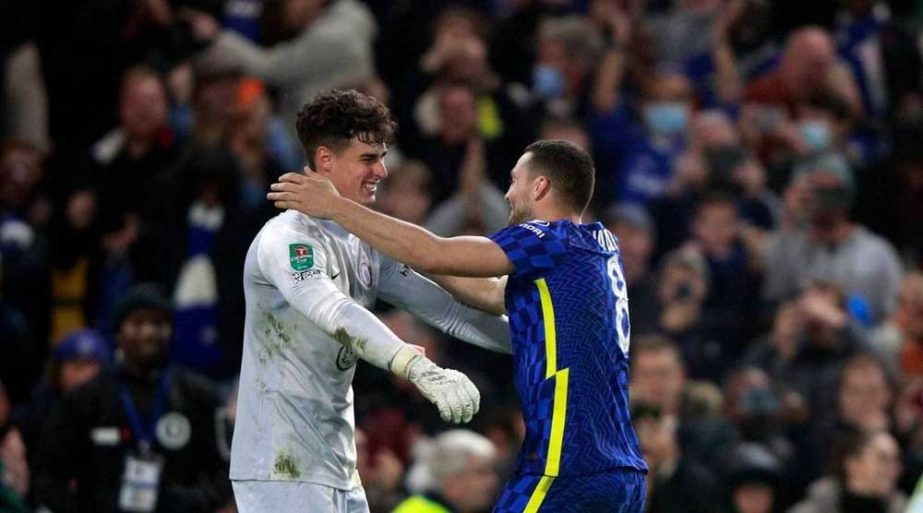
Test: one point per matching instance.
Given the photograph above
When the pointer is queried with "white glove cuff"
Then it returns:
(405, 358)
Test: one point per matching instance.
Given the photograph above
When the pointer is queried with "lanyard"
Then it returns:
(144, 436)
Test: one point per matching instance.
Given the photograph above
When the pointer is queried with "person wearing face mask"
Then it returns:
(139, 437)
(641, 148)
(568, 51)
(825, 125)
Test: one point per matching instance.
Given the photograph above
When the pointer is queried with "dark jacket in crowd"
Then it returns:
(690, 488)
(88, 436)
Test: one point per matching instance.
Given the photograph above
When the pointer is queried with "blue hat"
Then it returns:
(83, 344)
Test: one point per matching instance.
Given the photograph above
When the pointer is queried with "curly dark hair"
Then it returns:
(332, 118)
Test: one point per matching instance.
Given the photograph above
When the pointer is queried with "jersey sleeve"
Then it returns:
(531, 247)
(404, 288)
(296, 264)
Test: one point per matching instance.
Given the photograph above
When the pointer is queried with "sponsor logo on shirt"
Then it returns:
(303, 275)
(301, 256)
(537, 231)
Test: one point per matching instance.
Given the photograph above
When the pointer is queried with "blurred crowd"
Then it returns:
(761, 162)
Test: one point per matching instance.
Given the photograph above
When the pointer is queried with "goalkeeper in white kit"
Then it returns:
(308, 286)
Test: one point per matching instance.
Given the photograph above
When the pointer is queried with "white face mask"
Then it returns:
(817, 135)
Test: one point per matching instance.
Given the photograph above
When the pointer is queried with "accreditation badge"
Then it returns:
(140, 483)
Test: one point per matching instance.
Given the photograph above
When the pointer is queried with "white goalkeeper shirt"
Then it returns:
(308, 285)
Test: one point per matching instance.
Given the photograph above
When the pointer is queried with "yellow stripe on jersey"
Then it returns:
(541, 490)
(558, 417)
(551, 350)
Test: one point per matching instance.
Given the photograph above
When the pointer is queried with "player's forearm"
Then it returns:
(402, 241)
(485, 294)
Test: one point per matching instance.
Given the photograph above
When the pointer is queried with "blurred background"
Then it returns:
(761, 162)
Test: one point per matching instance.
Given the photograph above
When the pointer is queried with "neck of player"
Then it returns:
(551, 212)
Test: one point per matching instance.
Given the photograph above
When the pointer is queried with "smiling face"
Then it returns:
(144, 337)
(355, 170)
(519, 195)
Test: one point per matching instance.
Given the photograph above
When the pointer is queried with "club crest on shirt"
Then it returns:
(173, 431)
(346, 358)
(365, 273)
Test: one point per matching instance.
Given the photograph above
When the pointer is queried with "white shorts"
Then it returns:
(297, 497)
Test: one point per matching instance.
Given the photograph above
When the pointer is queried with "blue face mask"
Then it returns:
(666, 118)
(547, 82)
(816, 135)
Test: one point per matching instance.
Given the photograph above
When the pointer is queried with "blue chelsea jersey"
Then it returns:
(568, 308)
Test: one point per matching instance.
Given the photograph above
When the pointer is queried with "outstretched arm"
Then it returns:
(403, 287)
(405, 242)
(308, 289)
(485, 294)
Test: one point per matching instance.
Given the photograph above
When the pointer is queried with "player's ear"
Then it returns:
(541, 186)
(323, 159)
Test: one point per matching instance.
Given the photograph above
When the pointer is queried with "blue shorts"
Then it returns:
(606, 492)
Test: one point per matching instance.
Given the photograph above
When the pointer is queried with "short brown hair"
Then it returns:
(656, 343)
(331, 119)
(568, 167)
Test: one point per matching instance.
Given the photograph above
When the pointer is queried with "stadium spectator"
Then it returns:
(247, 141)
(566, 129)
(762, 415)
(824, 124)
(320, 45)
(754, 478)
(76, 359)
(477, 206)
(867, 467)
(808, 67)
(833, 248)
(729, 313)
(675, 482)
(865, 394)
(659, 379)
(683, 285)
(638, 151)
(215, 89)
(128, 176)
(811, 338)
(901, 336)
(24, 104)
(882, 56)
(658, 376)
(568, 50)
(406, 194)
(713, 160)
(456, 143)
(382, 473)
(806, 118)
(139, 437)
(14, 469)
(445, 474)
(25, 209)
(635, 230)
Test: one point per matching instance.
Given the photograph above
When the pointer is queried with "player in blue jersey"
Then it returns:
(563, 289)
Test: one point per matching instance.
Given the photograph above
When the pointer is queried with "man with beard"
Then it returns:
(827, 245)
(139, 437)
(563, 287)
